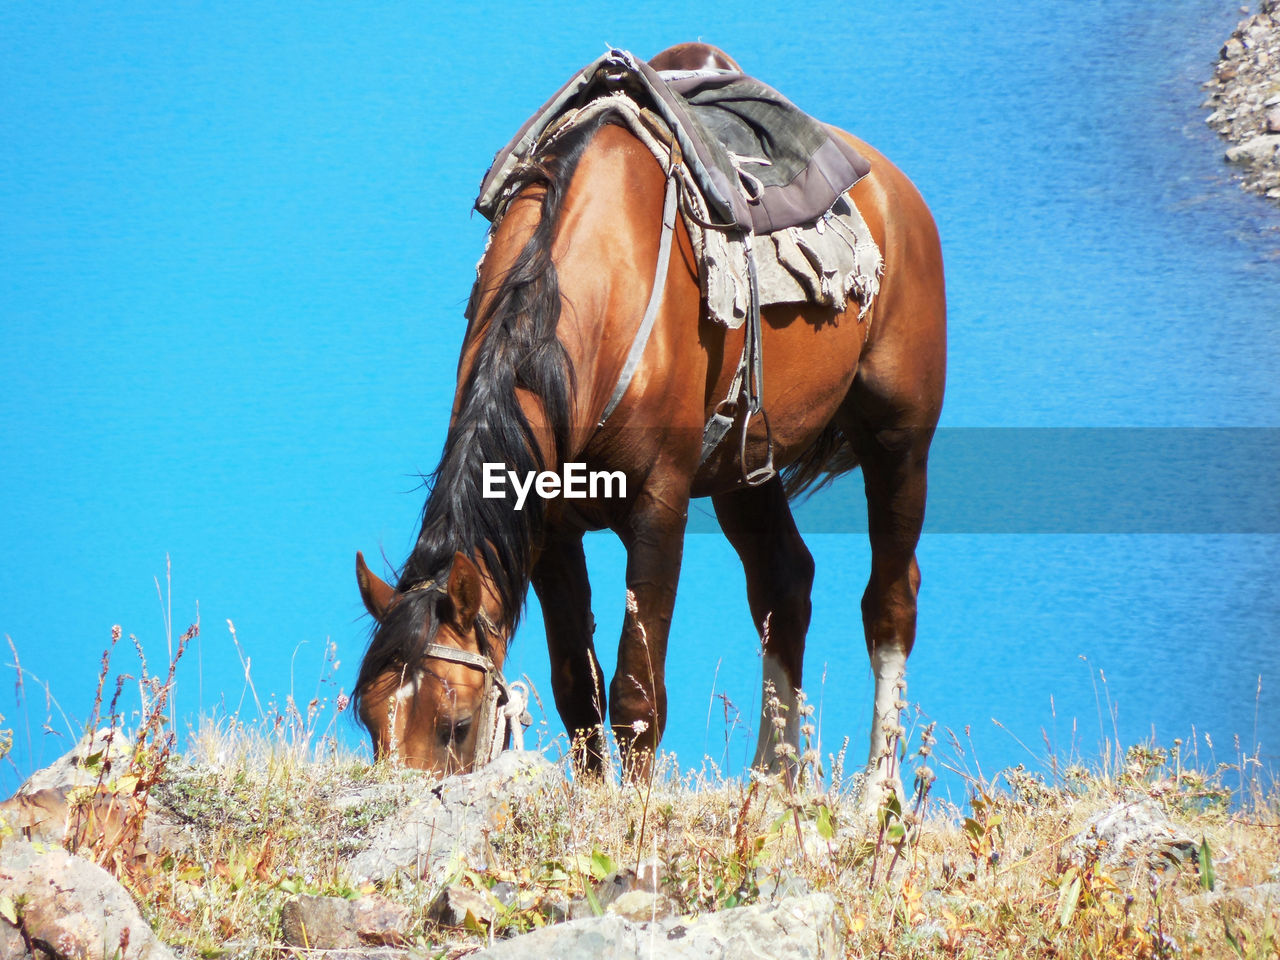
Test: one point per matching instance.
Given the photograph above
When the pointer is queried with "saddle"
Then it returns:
(761, 187)
(761, 163)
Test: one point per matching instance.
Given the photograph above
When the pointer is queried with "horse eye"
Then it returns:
(454, 732)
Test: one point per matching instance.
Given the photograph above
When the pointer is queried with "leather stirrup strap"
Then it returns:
(746, 392)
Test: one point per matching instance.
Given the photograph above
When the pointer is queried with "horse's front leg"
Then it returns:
(560, 580)
(653, 535)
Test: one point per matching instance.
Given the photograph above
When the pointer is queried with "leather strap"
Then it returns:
(477, 660)
(655, 298)
(746, 392)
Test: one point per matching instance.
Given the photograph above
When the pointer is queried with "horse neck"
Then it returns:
(562, 288)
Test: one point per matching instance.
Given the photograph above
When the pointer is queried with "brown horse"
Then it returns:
(557, 303)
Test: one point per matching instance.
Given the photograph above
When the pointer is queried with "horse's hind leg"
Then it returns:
(893, 460)
(560, 579)
(779, 571)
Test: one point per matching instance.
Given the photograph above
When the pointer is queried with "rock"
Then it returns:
(112, 749)
(332, 923)
(449, 823)
(804, 928)
(780, 886)
(512, 896)
(1263, 898)
(1273, 120)
(459, 906)
(72, 905)
(1129, 832)
(640, 906)
(41, 807)
(320, 923)
(40, 815)
(1244, 90)
(1256, 150)
(555, 905)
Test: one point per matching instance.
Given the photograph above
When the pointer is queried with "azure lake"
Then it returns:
(236, 251)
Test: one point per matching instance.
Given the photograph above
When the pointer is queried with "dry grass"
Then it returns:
(257, 823)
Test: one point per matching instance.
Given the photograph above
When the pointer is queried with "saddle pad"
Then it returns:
(761, 163)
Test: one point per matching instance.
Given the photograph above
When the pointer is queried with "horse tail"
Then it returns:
(827, 458)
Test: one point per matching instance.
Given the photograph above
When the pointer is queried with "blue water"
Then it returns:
(234, 251)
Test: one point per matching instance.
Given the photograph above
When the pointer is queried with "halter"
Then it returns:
(503, 706)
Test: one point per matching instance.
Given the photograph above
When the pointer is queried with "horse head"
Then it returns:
(431, 691)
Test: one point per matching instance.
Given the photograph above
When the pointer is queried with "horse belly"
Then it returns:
(810, 357)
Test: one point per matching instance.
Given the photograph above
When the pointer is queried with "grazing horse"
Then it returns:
(558, 300)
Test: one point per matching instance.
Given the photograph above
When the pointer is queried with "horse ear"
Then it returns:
(464, 589)
(377, 596)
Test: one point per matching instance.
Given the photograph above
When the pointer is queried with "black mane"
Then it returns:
(517, 322)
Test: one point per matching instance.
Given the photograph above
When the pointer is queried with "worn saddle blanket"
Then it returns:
(759, 176)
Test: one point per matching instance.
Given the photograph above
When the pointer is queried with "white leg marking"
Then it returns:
(890, 667)
(774, 675)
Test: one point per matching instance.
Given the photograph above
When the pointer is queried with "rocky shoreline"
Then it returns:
(1245, 97)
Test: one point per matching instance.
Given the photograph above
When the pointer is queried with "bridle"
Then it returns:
(504, 707)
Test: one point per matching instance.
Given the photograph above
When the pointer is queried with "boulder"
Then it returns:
(803, 928)
(1256, 150)
(332, 923)
(455, 904)
(641, 906)
(1263, 899)
(449, 824)
(1129, 833)
(69, 907)
(40, 809)
(111, 748)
